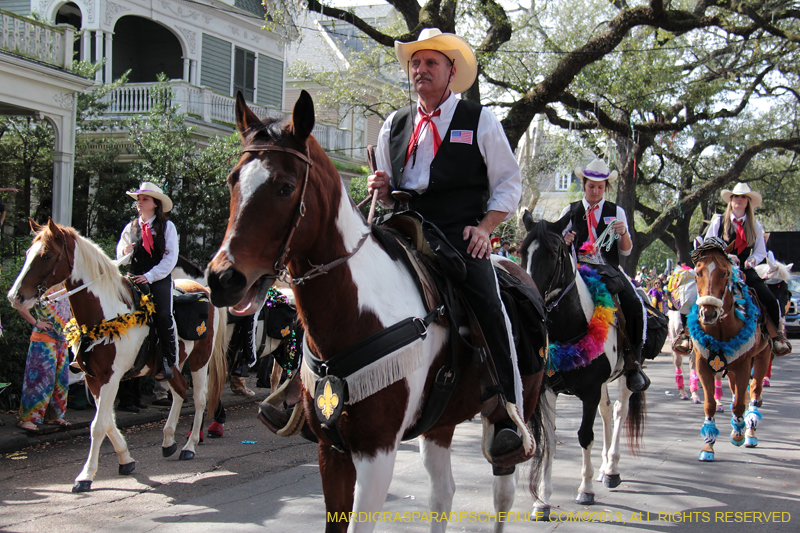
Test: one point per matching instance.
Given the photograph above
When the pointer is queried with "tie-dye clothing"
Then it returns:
(46, 370)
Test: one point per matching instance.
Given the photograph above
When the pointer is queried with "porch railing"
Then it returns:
(33, 40)
(209, 106)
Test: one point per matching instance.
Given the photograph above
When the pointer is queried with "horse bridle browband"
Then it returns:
(280, 265)
(280, 262)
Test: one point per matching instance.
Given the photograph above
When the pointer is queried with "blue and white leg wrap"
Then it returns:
(737, 423)
(752, 416)
(709, 431)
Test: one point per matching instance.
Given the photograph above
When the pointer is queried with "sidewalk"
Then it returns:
(13, 438)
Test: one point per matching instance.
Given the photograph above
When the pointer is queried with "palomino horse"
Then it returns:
(58, 254)
(290, 208)
(583, 358)
(727, 338)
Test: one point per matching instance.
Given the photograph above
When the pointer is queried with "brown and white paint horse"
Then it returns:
(354, 300)
(717, 317)
(58, 254)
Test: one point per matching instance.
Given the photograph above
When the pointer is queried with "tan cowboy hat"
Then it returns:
(451, 45)
(742, 189)
(151, 189)
(597, 170)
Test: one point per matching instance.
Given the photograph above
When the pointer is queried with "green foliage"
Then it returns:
(16, 331)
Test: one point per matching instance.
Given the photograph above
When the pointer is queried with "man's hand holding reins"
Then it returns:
(380, 182)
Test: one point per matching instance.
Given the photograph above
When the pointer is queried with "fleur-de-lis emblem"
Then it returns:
(716, 364)
(201, 328)
(285, 331)
(327, 401)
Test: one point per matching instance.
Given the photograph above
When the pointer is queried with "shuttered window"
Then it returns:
(244, 73)
(215, 66)
(270, 82)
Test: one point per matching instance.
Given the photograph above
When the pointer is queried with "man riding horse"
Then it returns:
(437, 153)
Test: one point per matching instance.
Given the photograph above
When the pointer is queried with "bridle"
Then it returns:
(280, 262)
(41, 288)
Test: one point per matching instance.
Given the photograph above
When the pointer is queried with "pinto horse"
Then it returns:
(727, 338)
(571, 316)
(290, 209)
(100, 293)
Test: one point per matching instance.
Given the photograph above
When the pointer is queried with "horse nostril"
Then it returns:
(226, 286)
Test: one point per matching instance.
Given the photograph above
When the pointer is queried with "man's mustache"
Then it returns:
(420, 77)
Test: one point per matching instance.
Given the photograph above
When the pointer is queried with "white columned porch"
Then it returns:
(98, 53)
(108, 55)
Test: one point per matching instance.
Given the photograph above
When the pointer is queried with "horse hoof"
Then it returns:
(750, 442)
(127, 469)
(541, 514)
(696, 399)
(737, 442)
(706, 456)
(765, 383)
(758, 403)
(684, 396)
(186, 455)
(585, 498)
(169, 450)
(612, 481)
(720, 409)
(600, 477)
(82, 486)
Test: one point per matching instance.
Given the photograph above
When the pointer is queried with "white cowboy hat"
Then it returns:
(597, 170)
(451, 45)
(742, 189)
(151, 189)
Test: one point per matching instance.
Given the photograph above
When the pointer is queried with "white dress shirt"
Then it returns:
(620, 216)
(168, 261)
(505, 185)
(759, 248)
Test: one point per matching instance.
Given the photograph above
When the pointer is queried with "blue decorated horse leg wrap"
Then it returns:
(737, 423)
(709, 431)
(752, 416)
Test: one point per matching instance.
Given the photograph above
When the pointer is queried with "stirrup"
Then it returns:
(780, 346)
(682, 344)
(166, 372)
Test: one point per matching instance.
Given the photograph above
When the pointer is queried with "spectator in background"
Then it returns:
(503, 252)
(513, 254)
(46, 377)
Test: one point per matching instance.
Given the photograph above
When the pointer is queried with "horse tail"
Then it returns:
(541, 424)
(217, 365)
(635, 422)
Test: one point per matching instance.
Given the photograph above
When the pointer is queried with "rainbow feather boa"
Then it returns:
(565, 357)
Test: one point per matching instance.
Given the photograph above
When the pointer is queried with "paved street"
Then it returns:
(274, 485)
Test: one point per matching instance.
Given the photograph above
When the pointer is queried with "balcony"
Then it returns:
(51, 45)
(210, 107)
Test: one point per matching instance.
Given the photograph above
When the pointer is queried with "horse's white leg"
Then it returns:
(541, 507)
(168, 445)
(436, 460)
(103, 420)
(200, 387)
(373, 477)
(504, 489)
(126, 462)
(608, 431)
(590, 402)
(612, 478)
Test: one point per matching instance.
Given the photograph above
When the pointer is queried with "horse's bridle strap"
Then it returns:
(280, 264)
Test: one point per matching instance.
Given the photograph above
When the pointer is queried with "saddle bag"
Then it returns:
(279, 320)
(190, 311)
(657, 331)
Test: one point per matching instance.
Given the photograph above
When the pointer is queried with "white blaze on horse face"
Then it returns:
(531, 249)
(33, 251)
(251, 176)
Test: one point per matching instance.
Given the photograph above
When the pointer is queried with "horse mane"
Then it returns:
(91, 263)
(545, 235)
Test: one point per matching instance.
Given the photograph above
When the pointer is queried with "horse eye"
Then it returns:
(47, 257)
(285, 189)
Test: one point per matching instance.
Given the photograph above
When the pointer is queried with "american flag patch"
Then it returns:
(461, 136)
(609, 220)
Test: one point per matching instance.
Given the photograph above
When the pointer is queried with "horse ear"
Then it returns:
(729, 248)
(54, 228)
(303, 116)
(36, 228)
(245, 118)
(527, 221)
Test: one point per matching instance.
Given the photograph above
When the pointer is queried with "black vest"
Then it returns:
(731, 237)
(581, 228)
(459, 183)
(141, 261)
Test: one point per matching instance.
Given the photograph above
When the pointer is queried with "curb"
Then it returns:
(17, 442)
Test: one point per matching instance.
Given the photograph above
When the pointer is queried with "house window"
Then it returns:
(244, 73)
(563, 182)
